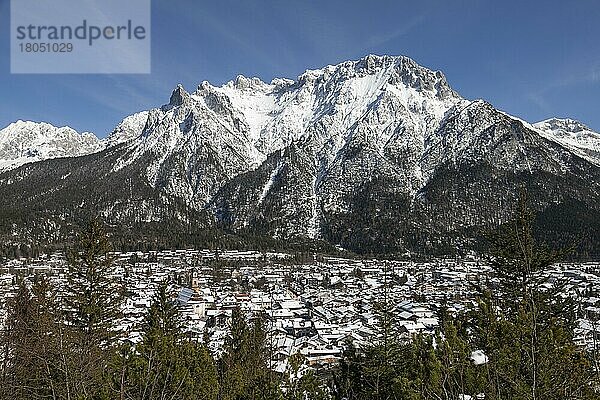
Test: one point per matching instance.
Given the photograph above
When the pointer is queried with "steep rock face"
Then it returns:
(277, 199)
(25, 142)
(129, 129)
(478, 132)
(190, 147)
(200, 141)
(352, 122)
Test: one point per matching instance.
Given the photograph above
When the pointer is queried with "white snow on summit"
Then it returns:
(130, 128)
(24, 142)
(392, 103)
(574, 135)
(330, 101)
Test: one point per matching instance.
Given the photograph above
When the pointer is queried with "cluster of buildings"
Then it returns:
(315, 306)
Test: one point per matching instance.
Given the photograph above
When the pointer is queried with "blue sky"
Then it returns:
(533, 59)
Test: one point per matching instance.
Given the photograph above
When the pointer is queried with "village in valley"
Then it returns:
(313, 305)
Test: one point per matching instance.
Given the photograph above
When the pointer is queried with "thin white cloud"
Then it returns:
(216, 24)
(403, 30)
(589, 75)
(127, 94)
(595, 75)
(540, 102)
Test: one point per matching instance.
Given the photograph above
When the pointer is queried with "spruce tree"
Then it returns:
(301, 382)
(525, 323)
(31, 365)
(92, 301)
(244, 368)
(165, 364)
(93, 295)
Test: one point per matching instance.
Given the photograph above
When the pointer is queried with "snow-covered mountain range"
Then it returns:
(270, 116)
(342, 153)
(24, 142)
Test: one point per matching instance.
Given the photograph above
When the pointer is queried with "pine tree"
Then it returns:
(93, 296)
(301, 382)
(30, 356)
(244, 367)
(165, 364)
(526, 329)
(347, 381)
(92, 301)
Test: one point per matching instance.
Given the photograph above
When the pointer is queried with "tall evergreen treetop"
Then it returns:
(94, 295)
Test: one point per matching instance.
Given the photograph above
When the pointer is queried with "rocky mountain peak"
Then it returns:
(241, 82)
(399, 71)
(179, 96)
(574, 135)
(130, 128)
(562, 124)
